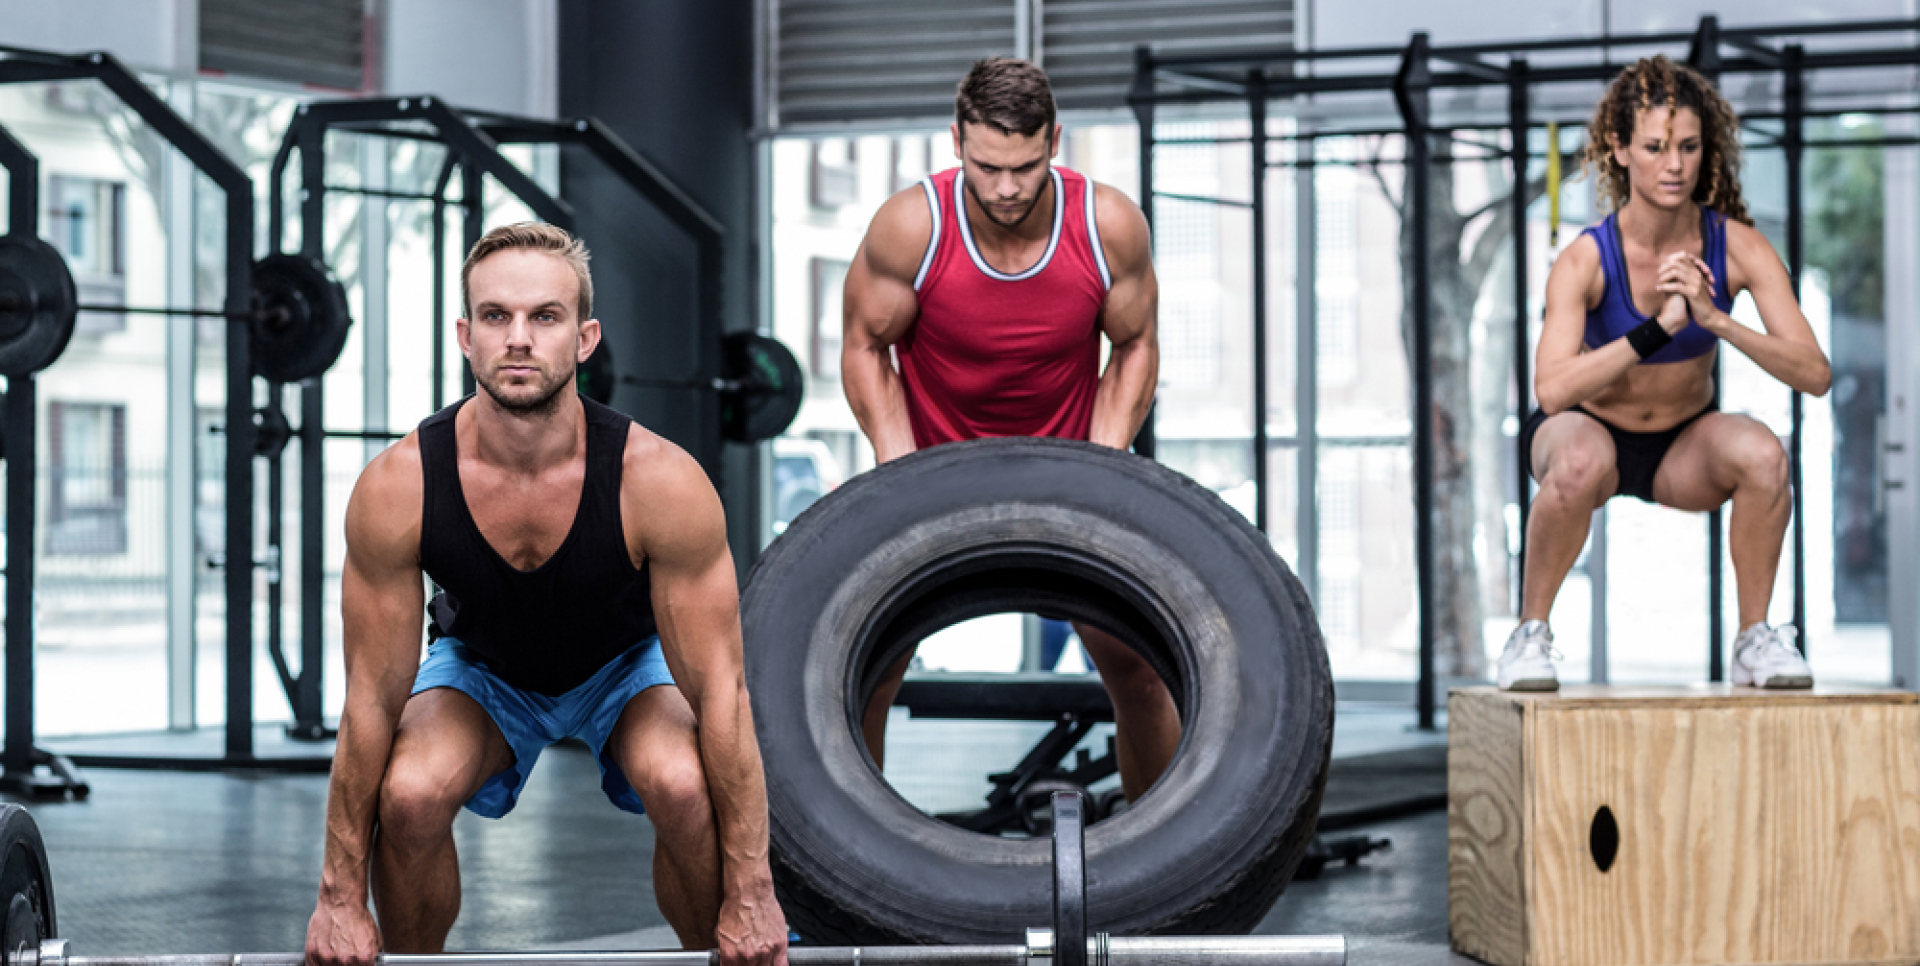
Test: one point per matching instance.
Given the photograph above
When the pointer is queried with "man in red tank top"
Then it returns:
(992, 284)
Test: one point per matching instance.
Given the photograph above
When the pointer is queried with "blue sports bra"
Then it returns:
(1616, 315)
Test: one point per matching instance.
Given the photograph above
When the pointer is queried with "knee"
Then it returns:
(1128, 676)
(1576, 472)
(1761, 461)
(416, 805)
(674, 790)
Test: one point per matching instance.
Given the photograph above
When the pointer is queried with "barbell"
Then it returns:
(298, 316)
(28, 934)
(298, 321)
(760, 386)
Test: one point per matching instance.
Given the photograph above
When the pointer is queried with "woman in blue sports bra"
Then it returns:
(1636, 309)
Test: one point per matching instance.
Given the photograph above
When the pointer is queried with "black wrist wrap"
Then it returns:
(1648, 338)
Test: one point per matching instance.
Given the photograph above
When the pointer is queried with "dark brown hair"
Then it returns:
(1007, 94)
(532, 236)
(1658, 82)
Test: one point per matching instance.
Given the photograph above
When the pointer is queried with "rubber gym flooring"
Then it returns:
(170, 862)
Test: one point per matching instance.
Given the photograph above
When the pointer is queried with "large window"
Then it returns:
(85, 221)
(829, 280)
(87, 506)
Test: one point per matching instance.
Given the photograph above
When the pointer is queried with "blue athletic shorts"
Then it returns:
(531, 721)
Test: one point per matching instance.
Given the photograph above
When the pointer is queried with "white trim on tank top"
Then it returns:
(933, 241)
(1093, 238)
(966, 231)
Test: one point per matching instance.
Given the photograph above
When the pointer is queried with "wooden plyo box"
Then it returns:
(1747, 826)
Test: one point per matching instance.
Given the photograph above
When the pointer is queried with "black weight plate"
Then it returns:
(271, 432)
(37, 305)
(26, 884)
(771, 387)
(299, 320)
(596, 377)
(22, 930)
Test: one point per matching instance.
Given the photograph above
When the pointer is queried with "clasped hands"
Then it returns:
(1688, 284)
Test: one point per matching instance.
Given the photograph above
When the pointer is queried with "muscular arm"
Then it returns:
(1788, 350)
(1130, 318)
(382, 607)
(880, 306)
(1564, 375)
(683, 538)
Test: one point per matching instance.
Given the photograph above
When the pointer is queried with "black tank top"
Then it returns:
(548, 629)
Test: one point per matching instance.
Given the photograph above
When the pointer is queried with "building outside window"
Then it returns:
(829, 286)
(85, 221)
(836, 173)
(87, 455)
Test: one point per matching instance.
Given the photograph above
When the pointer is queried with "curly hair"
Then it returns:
(1658, 82)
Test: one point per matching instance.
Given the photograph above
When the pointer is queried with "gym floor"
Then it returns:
(170, 862)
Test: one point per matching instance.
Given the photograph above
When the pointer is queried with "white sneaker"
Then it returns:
(1765, 657)
(1527, 663)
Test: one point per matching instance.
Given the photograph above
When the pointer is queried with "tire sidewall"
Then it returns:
(1257, 710)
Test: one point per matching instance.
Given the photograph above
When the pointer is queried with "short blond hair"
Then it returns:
(535, 236)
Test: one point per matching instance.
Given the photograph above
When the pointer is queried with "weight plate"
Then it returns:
(22, 929)
(595, 378)
(299, 320)
(271, 432)
(771, 387)
(26, 884)
(37, 305)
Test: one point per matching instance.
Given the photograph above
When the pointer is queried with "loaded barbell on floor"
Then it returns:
(298, 316)
(1119, 951)
(30, 918)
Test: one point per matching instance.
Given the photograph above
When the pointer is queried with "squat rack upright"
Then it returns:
(1257, 77)
(19, 65)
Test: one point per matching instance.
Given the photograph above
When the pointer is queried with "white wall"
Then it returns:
(498, 55)
(159, 35)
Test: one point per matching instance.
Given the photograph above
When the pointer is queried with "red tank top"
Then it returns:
(994, 354)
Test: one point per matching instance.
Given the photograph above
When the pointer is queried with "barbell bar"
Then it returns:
(759, 389)
(161, 310)
(298, 316)
(30, 915)
(298, 321)
(1102, 950)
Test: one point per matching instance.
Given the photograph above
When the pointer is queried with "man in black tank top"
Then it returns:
(586, 591)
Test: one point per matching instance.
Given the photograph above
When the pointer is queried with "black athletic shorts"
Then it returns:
(1636, 456)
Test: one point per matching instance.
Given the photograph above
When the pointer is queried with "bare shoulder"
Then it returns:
(1578, 265)
(384, 512)
(1752, 259)
(667, 503)
(898, 237)
(1124, 235)
(1750, 246)
(1582, 255)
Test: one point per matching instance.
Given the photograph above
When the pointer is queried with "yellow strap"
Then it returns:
(1553, 183)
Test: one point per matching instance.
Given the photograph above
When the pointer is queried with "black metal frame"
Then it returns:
(1074, 704)
(1256, 77)
(19, 756)
(473, 141)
